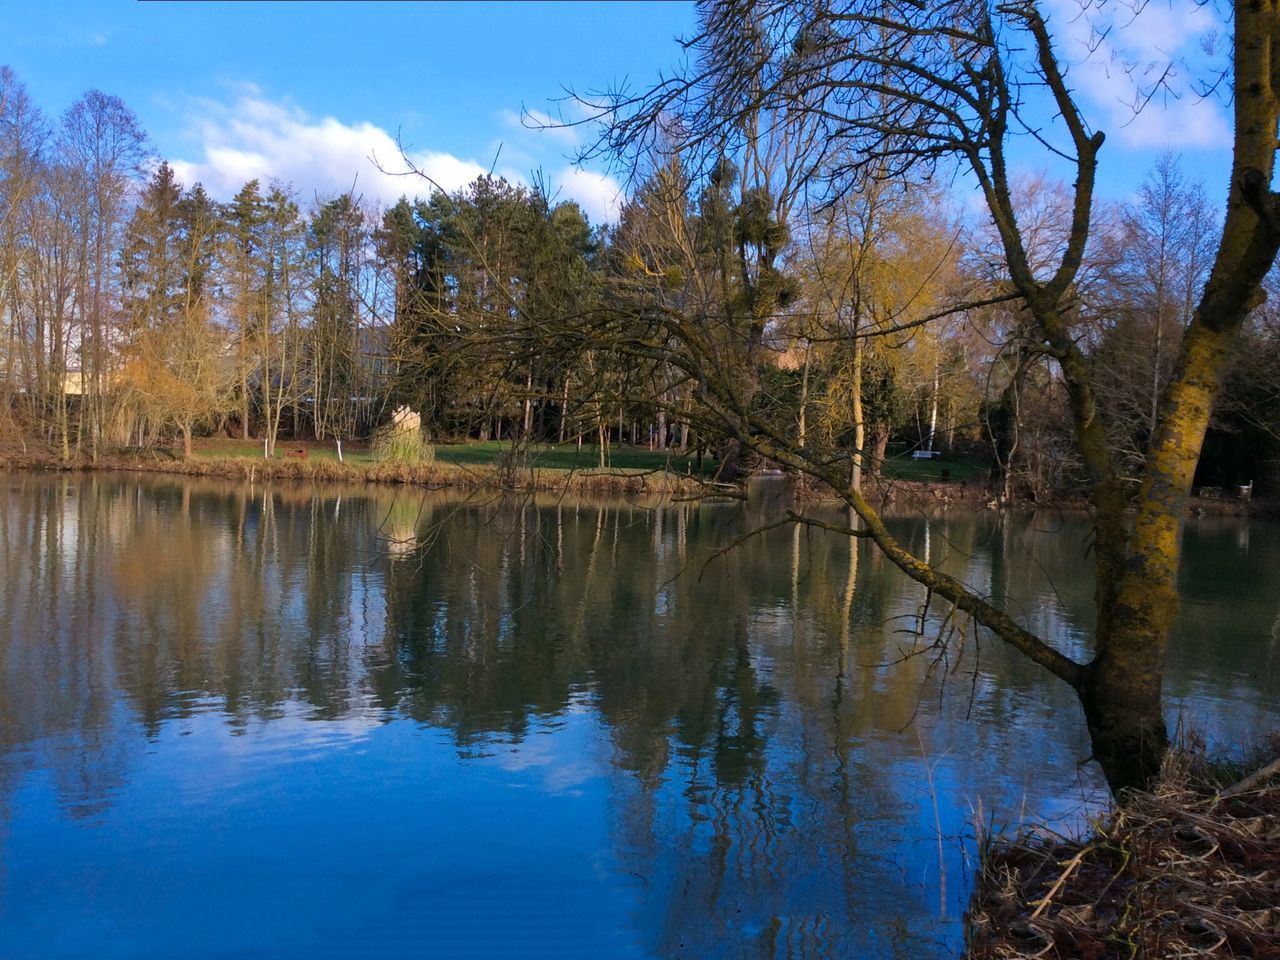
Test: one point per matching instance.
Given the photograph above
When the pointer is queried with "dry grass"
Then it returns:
(1188, 870)
(394, 445)
(433, 475)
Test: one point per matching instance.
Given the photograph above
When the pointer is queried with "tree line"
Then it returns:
(139, 309)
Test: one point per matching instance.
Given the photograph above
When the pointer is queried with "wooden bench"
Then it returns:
(297, 453)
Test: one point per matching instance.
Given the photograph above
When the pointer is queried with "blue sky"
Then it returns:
(308, 91)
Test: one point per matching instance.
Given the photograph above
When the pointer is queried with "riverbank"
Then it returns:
(437, 475)
(1189, 869)
(554, 470)
(929, 495)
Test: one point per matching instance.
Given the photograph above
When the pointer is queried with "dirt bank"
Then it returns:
(433, 475)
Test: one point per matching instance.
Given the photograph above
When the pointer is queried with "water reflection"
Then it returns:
(533, 728)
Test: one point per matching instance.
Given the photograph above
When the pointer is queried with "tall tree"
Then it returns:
(23, 135)
(914, 85)
(102, 141)
(1162, 249)
(874, 261)
(279, 351)
(411, 249)
(179, 370)
(245, 274)
(339, 383)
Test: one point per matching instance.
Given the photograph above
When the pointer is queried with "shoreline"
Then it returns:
(1187, 869)
(432, 476)
(981, 495)
(884, 493)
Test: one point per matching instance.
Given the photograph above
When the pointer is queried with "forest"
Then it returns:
(139, 311)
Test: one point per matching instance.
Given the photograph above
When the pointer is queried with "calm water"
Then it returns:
(288, 723)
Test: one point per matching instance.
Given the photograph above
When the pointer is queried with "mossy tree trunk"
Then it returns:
(1121, 692)
(1136, 563)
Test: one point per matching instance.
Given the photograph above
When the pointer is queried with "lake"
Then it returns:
(282, 722)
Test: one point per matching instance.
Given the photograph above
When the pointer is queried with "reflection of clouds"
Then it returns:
(295, 725)
(293, 733)
(560, 773)
(234, 754)
(728, 731)
(565, 754)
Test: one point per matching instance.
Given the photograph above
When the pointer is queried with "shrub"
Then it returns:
(393, 444)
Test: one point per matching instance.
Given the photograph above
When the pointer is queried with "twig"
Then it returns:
(1071, 866)
(1255, 778)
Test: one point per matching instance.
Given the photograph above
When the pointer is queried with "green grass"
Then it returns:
(570, 457)
(902, 467)
(477, 454)
(213, 449)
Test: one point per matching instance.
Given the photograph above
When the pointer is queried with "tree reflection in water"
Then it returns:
(761, 713)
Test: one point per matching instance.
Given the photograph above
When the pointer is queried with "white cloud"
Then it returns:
(1115, 56)
(599, 196)
(255, 137)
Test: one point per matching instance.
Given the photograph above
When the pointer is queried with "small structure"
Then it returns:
(405, 420)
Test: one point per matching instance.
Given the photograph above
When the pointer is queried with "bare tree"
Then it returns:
(103, 142)
(1159, 255)
(909, 87)
(23, 134)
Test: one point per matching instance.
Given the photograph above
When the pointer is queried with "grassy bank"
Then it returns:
(905, 484)
(470, 470)
(587, 457)
(489, 453)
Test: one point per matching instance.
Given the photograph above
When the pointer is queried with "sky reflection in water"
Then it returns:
(237, 723)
